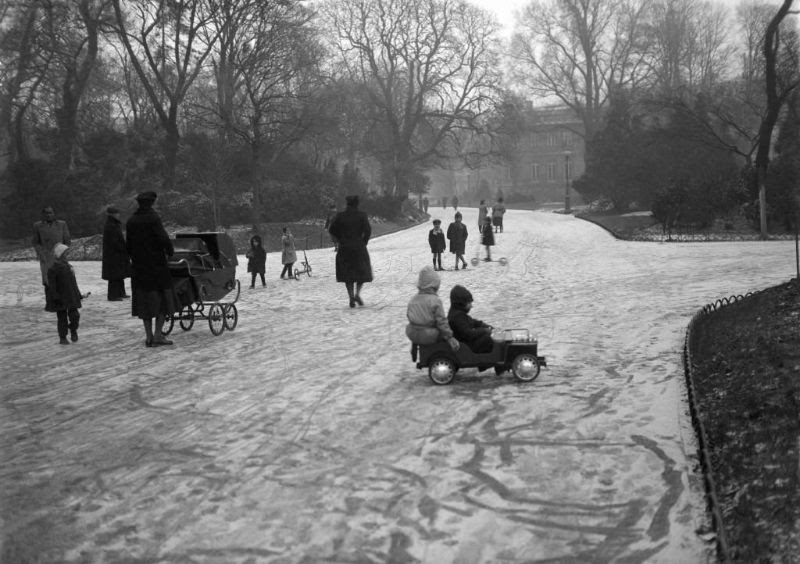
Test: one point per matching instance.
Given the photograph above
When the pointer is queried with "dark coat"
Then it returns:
(149, 246)
(436, 241)
(351, 229)
(487, 234)
(62, 291)
(474, 332)
(257, 259)
(457, 233)
(116, 262)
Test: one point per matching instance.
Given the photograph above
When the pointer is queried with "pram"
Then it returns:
(203, 270)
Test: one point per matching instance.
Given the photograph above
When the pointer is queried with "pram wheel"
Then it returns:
(308, 271)
(231, 316)
(186, 319)
(297, 274)
(216, 319)
(169, 323)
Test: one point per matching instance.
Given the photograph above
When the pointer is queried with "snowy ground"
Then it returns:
(308, 435)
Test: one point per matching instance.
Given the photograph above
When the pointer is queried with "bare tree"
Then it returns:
(689, 45)
(75, 28)
(266, 72)
(24, 62)
(428, 68)
(778, 87)
(167, 48)
(578, 51)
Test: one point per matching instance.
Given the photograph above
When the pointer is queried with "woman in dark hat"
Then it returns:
(351, 231)
(151, 284)
(116, 263)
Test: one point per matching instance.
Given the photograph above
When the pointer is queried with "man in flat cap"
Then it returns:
(116, 262)
(151, 284)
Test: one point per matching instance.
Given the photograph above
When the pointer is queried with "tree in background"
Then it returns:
(578, 51)
(429, 69)
(167, 46)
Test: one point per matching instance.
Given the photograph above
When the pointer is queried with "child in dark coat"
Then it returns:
(437, 243)
(457, 233)
(474, 333)
(63, 295)
(487, 237)
(256, 261)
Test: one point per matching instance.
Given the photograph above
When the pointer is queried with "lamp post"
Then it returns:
(567, 208)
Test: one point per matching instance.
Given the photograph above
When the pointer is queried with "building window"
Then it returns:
(551, 171)
(535, 172)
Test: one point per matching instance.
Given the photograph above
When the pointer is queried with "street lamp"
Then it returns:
(566, 182)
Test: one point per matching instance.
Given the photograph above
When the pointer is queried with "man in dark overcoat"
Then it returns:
(48, 233)
(151, 284)
(116, 262)
(351, 231)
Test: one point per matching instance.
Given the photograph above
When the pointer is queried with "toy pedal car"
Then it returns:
(514, 349)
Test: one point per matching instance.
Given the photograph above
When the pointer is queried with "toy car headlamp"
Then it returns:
(519, 336)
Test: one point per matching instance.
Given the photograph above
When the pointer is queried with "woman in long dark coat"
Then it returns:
(151, 283)
(116, 262)
(351, 230)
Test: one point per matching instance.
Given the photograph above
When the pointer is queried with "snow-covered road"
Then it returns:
(308, 435)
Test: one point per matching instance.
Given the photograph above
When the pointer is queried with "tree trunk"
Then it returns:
(171, 143)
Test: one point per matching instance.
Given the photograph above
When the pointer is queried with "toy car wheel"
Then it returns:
(441, 370)
(309, 271)
(187, 318)
(231, 316)
(216, 319)
(525, 367)
(169, 323)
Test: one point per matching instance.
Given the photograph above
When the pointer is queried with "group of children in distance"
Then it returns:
(428, 324)
(457, 234)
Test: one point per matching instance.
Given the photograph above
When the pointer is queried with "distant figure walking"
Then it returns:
(455, 203)
(425, 204)
(47, 233)
(483, 211)
(256, 261)
(151, 284)
(329, 219)
(457, 234)
(351, 229)
(288, 255)
(498, 211)
(444, 202)
(116, 262)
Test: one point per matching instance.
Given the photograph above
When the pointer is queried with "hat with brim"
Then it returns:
(148, 196)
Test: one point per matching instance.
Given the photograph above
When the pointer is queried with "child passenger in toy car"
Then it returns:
(474, 333)
(427, 323)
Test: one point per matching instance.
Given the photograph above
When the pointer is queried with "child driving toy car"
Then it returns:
(474, 333)
(427, 323)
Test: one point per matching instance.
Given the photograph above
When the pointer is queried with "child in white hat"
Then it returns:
(63, 295)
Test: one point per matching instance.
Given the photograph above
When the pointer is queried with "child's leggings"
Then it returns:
(253, 279)
(67, 319)
(437, 260)
(287, 269)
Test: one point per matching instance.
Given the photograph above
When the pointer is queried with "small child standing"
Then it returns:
(256, 260)
(437, 243)
(63, 295)
(427, 322)
(457, 233)
(487, 238)
(288, 256)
